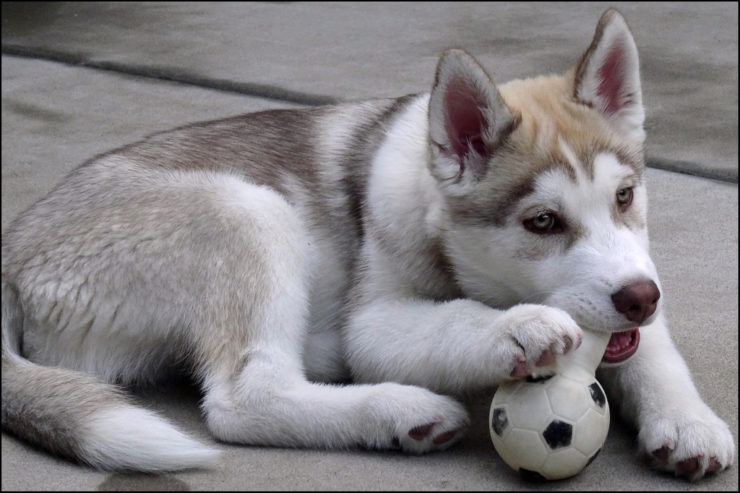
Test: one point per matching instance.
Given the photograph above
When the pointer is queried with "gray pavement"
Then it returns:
(322, 51)
(78, 79)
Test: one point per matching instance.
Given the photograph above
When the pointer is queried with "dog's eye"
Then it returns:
(624, 197)
(544, 223)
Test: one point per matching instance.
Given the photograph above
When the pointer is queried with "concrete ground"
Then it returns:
(81, 78)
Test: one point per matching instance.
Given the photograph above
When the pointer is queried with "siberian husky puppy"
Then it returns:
(420, 247)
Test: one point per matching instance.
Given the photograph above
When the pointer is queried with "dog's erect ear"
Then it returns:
(467, 121)
(607, 76)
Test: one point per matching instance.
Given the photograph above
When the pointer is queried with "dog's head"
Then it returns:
(543, 182)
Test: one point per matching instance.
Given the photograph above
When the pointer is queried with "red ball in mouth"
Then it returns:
(622, 345)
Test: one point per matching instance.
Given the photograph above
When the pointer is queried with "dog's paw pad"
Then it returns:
(520, 368)
(421, 432)
(714, 465)
(663, 453)
(688, 467)
(446, 436)
(547, 358)
(431, 436)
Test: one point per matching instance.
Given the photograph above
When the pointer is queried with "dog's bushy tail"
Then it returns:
(76, 416)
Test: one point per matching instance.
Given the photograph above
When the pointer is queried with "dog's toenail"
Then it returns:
(568, 344)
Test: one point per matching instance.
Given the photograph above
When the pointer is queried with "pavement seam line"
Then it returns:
(689, 168)
(277, 93)
(173, 74)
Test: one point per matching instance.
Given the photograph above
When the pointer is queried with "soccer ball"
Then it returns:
(551, 427)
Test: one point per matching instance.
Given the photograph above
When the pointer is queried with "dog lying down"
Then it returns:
(423, 247)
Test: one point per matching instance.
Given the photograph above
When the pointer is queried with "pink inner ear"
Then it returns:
(611, 80)
(464, 122)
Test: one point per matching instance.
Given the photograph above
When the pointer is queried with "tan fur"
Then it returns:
(546, 112)
(549, 112)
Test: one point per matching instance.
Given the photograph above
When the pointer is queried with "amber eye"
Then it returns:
(544, 223)
(624, 197)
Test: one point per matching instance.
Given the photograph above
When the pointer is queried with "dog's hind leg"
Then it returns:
(249, 354)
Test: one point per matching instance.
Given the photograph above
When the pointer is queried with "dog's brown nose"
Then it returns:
(637, 301)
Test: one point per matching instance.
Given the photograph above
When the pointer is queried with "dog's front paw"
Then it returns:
(534, 336)
(690, 441)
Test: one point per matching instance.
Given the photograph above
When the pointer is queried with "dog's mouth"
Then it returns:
(622, 345)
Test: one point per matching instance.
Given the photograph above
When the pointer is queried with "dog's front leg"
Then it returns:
(677, 429)
(454, 346)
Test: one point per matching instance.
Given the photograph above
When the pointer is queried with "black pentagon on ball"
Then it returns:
(531, 475)
(558, 434)
(597, 394)
(499, 421)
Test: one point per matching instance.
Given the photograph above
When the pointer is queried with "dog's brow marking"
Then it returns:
(575, 164)
(623, 171)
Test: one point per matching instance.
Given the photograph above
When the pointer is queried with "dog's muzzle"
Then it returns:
(637, 302)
